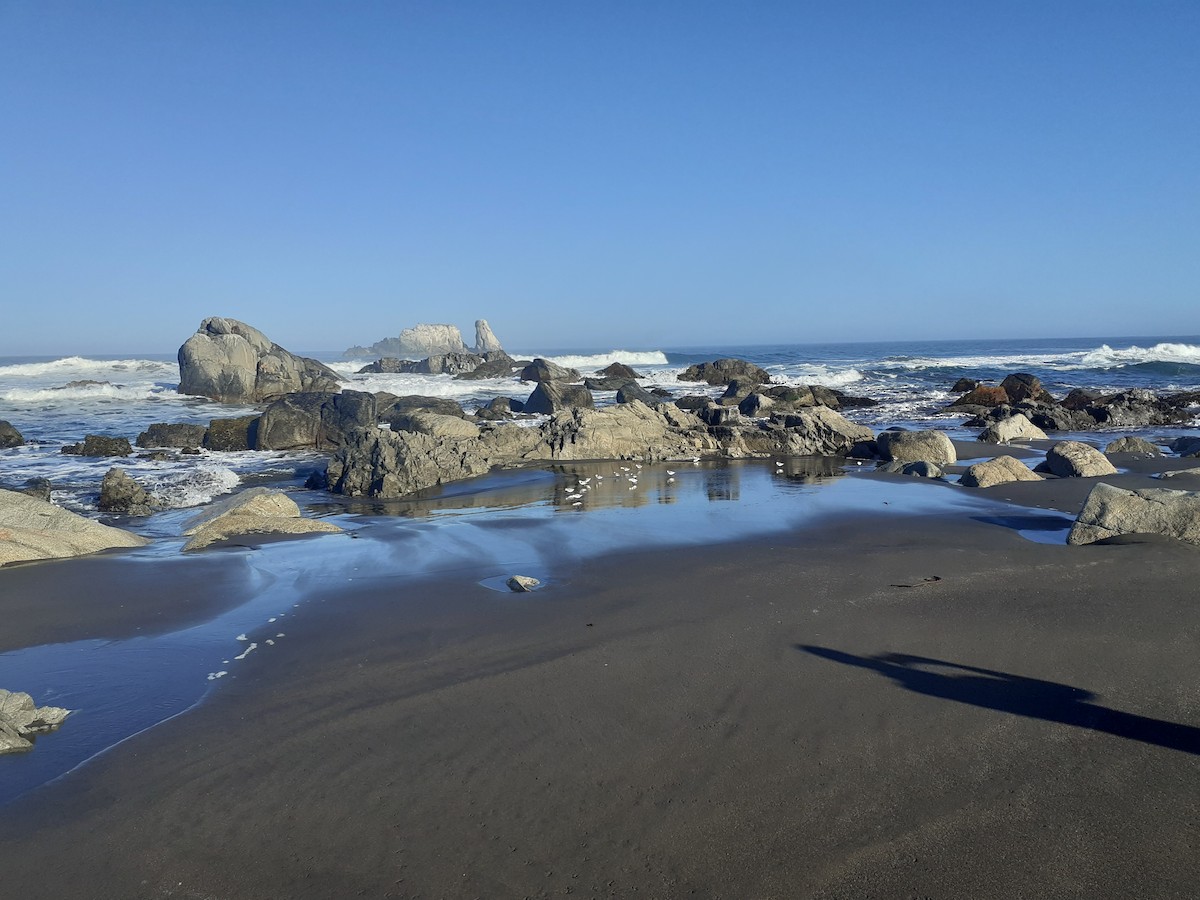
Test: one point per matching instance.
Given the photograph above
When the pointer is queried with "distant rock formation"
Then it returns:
(229, 361)
(422, 341)
(485, 340)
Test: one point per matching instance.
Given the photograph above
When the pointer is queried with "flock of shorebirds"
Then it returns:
(630, 475)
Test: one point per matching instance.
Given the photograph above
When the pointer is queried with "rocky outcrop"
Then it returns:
(496, 364)
(629, 431)
(1000, 470)
(819, 431)
(232, 435)
(500, 408)
(119, 493)
(1074, 459)
(395, 411)
(21, 721)
(551, 396)
(100, 445)
(431, 340)
(912, 446)
(1186, 446)
(9, 436)
(379, 463)
(163, 434)
(229, 361)
(618, 370)
(485, 340)
(34, 529)
(631, 391)
(1023, 386)
(314, 421)
(1110, 511)
(454, 428)
(1133, 444)
(41, 488)
(542, 370)
(254, 511)
(722, 371)
(1080, 410)
(1014, 428)
(983, 395)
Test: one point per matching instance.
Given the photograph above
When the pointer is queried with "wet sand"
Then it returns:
(869, 706)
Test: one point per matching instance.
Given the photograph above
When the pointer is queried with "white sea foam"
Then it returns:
(1105, 357)
(822, 375)
(193, 486)
(102, 391)
(600, 360)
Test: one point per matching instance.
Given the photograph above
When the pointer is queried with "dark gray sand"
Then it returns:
(895, 707)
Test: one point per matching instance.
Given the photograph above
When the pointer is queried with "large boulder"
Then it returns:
(485, 340)
(35, 529)
(1186, 446)
(9, 436)
(543, 370)
(21, 721)
(255, 511)
(821, 431)
(495, 364)
(911, 446)
(100, 445)
(380, 463)
(631, 391)
(984, 395)
(618, 370)
(395, 411)
(164, 434)
(1022, 386)
(1110, 511)
(721, 371)
(500, 408)
(454, 428)
(460, 363)
(119, 493)
(316, 421)
(551, 396)
(629, 431)
(388, 365)
(1014, 428)
(1074, 459)
(1000, 470)
(232, 362)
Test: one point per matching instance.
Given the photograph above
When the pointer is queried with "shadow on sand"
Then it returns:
(1016, 694)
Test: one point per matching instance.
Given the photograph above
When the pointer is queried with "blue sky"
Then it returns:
(597, 174)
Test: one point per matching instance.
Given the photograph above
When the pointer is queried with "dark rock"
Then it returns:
(119, 493)
(1023, 386)
(542, 370)
(318, 421)
(607, 384)
(9, 436)
(37, 487)
(395, 411)
(1079, 399)
(100, 445)
(919, 469)
(618, 370)
(389, 365)
(496, 364)
(500, 408)
(756, 405)
(984, 395)
(633, 391)
(450, 364)
(717, 415)
(1133, 444)
(551, 396)
(162, 434)
(722, 371)
(1186, 446)
(232, 435)
(1184, 400)
(693, 401)
(963, 385)
(737, 389)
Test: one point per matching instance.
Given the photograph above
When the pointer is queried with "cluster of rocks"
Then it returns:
(21, 721)
(430, 340)
(1080, 410)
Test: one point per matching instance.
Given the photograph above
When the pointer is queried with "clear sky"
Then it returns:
(597, 174)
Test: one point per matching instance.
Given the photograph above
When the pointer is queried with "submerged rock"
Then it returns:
(119, 493)
(522, 584)
(1110, 511)
(9, 436)
(100, 445)
(35, 529)
(232, 362)
(162, 434)
(255, 511)
(21, 720)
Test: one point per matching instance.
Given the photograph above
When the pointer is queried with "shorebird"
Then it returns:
(670, 481)
(670, 472)
(577, 503)
(779, 462)
(574, 496)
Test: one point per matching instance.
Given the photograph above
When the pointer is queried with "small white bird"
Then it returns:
(695, 459)
(638, 465)
(584, 480)
(574, 496)
(779, 463)
(670, 481)
(670, 472)
(577, 503)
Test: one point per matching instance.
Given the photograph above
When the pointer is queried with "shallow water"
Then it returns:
(523, 522)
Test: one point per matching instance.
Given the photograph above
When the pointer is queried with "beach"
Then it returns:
(868, 704)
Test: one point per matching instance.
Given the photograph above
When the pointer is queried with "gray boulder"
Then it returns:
(721, 371)
(756, 405)
(618, 370)
(631, 391)
(455, 428)
(1000, 470)
(551, 396)
(9, 436)
(388, 365)
(162, 434)
(718, 415)
(919, 469)
(34, 529)
(232, 435)
(500, 408)
(461, 363)
(1073, 459)
(1186, 446)
(485, 340)
(819, 431)
(1132, 444)
(1015, 428)
(100, 445)
(229, 361)
(495, 364)
(912, 446)
(430, 340)
(317, 421)
(255, 511)
(1110, 511)
(379, 463)
(36, 487)
(542, 370)
(21, 721)
(119, 493)
(522, 584)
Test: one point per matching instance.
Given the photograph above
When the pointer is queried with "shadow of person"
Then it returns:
(1016, 694)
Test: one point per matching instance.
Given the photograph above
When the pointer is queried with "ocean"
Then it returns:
(56, 401)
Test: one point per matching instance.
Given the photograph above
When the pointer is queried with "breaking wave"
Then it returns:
(1105, 357)
(600, 360)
